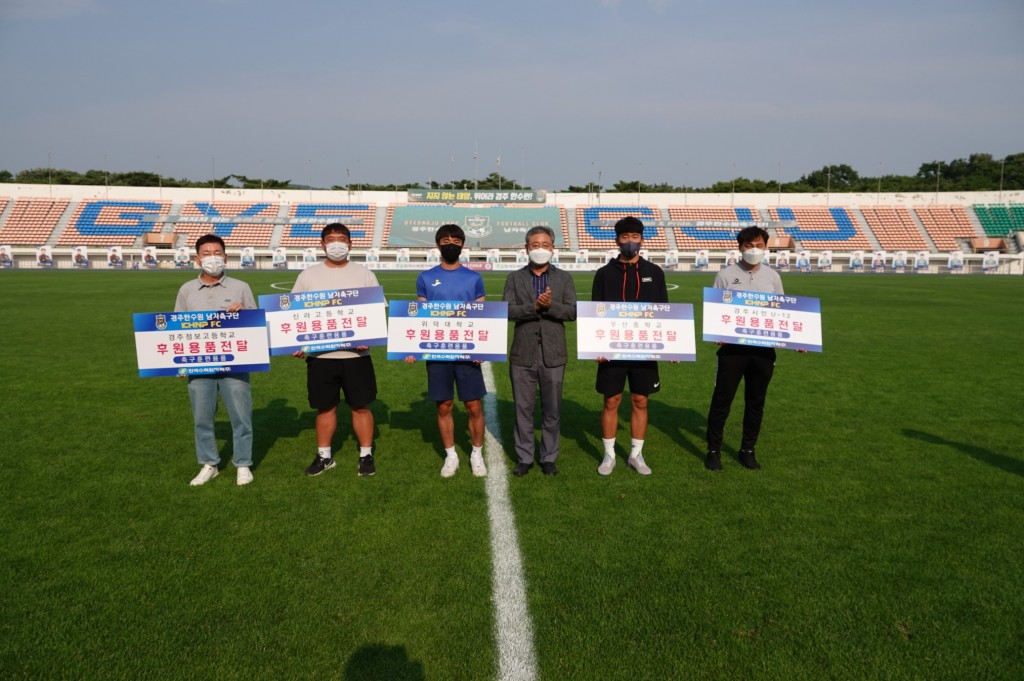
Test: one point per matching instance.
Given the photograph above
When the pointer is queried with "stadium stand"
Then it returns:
(946, 224)
(822, 228)
(32, 221)
(1000, 219)
(708, 235)
(596, 237)
(113, 223)
(360, 218)
(228, 221)
(894, 228)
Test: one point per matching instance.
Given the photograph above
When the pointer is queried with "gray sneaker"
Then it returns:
(638, 464)
(607, 464)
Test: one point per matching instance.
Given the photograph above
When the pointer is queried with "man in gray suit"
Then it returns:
(541, 298)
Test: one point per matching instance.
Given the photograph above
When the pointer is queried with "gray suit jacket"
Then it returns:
(544, 331)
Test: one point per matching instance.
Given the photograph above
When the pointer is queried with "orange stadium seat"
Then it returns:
(822, 228)
(709, 235)
(894, 228)
(112, 223)
(360, 218)
(32, 221)
(947, 224)
(596, 237)
(229, 221)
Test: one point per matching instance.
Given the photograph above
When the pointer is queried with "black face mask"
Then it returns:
(450, 253)
(629, 249)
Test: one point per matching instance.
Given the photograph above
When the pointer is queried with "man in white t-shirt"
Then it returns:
(347, 372)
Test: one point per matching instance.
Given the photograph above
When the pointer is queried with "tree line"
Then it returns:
(978, 172)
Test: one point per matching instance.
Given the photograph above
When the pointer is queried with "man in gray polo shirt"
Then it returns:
(214, 290)
(751, 364)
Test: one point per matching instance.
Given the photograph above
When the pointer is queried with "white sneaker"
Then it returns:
(244, 475)
(206, 474)
(637, 463)
(607, 464)
(451, 464)
(476, 462)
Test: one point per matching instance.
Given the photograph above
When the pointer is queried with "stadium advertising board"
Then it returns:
(485, 226)
(635, 331)
(324, 321)
(197, 343)
(445, 330)
(764, 319)
(476, 196)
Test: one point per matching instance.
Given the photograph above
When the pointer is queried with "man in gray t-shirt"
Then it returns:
(331, 374)
(215, 290)
(750, 364)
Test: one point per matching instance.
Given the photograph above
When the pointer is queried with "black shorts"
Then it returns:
(326, 378)
(643, 377)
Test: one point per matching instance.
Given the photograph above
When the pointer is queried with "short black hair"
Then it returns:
(210, 239)
(629, 225)
(335, 228)
(453, 231)
(748, 234)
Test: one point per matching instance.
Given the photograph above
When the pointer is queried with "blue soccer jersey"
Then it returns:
(438, 283)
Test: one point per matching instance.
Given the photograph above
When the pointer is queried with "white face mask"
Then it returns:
(337, 251)
(540, 256)
(213, 265)
(753, 256)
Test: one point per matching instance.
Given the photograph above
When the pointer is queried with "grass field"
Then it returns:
(883, 538)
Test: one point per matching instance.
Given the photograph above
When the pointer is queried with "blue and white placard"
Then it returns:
(324, 321)
(635, 331)
(198, 343)
(764, 319)
(445, 330)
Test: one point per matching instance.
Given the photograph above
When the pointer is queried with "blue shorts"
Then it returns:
(444, 377)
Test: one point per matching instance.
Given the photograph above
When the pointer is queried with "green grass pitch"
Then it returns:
(882, 540)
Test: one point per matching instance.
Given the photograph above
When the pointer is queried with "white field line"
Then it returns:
(513, 628)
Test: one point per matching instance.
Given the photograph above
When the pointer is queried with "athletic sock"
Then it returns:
(365, 451)
(324, 452)
(478, 450)
(450, 451)
(637, 447)
(609, 446)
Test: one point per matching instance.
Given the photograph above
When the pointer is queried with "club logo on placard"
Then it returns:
(412, 309)
(601, 310)
(161, 322)
(727, 296)
(286, 302)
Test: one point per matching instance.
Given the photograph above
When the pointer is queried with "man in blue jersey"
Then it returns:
(451, 281)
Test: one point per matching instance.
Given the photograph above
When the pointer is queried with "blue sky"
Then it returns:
(664, 91)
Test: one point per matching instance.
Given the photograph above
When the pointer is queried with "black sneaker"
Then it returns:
(521, 469)
(319, 465)
(366, 466)
(747, 459)
(713, 462)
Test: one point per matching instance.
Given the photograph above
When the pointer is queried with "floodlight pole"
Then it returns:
(938, 174)
(1002, 169)
(49, 173)
(878, 194)
(778, 179)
